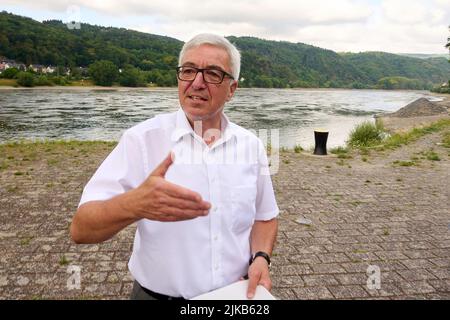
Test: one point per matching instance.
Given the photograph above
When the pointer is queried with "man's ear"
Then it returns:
(233, 88)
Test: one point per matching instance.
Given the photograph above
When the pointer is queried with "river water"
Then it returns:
(93, 114)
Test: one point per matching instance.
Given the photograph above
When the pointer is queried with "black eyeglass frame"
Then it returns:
(224, 74)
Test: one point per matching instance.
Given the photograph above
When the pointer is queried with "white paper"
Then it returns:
(236, 291)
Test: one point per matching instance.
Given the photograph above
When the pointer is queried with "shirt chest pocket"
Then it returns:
(243, 207)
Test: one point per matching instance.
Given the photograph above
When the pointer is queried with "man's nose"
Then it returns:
(198, 81)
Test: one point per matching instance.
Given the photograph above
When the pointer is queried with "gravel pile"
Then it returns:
(420, 107)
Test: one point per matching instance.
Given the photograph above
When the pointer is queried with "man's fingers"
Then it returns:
(186, 204)
(183, 214)
(161, 170)
(252, 283)
(177, 191)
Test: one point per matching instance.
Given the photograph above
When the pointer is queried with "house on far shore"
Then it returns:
(8, 63)
(49, 69)
(41, 68)
(36, 67)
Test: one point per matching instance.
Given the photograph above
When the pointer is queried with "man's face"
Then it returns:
(201, 100)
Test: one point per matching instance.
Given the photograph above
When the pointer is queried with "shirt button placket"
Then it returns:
(215, 217)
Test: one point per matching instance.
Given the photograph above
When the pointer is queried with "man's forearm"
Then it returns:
(98, 221)
(263, 236)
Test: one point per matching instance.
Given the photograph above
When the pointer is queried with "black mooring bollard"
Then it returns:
(320, 136)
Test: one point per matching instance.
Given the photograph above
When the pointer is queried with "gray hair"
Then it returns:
(218, 41)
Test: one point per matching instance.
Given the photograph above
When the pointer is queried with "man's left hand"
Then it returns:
(258, 274)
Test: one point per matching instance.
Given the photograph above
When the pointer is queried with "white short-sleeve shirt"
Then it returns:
(188, 258)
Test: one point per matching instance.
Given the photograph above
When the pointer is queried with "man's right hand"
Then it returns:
(157, 199)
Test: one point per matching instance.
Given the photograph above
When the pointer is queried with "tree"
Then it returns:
(132, 77)
(103, 72)
(10, 73)
(448, 46)
(25, 79)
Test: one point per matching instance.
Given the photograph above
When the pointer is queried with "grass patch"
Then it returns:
(298, 149)
(8, 82)
(25, 241)
(344, 156)
(79, 83)
(356, 203)
(4, 165)
(446, 139)
(403, 163)
(63, 261)
(52, 145)
(12, 189)
(340, 150)
(399, 139)
(268, 148)
(433, 156)
(364, 151)
(286, 161)
(366, 134)
(52, 162)
(32, 150)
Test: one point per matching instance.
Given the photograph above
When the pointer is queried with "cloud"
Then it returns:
(345, 25)
(415, 11)
(254, 11)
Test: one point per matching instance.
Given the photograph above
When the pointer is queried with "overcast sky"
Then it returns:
(398, 26)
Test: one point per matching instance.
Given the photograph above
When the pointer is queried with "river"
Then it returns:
(102, 114)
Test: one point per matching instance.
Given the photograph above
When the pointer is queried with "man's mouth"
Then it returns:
(197, 98)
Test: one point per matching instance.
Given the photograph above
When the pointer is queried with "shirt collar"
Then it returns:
(183, 127)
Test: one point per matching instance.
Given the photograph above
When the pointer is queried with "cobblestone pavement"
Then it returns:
(368, 210)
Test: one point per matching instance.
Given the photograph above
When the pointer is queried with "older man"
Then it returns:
(196, 184)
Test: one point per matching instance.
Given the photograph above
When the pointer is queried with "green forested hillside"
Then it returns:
(264, 63)
(377, 65)
(279, 63)
(52, 43)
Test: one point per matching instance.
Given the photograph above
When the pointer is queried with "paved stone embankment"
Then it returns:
(388, 212)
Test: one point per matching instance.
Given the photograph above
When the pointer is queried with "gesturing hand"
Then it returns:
(158, 199)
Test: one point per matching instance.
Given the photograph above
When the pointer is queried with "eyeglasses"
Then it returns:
(214, 76)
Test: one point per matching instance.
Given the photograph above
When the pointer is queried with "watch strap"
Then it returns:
(260, 254)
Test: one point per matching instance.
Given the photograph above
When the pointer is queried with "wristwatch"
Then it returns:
(260, 254)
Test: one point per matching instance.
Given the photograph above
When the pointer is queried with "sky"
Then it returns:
(397, 26)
